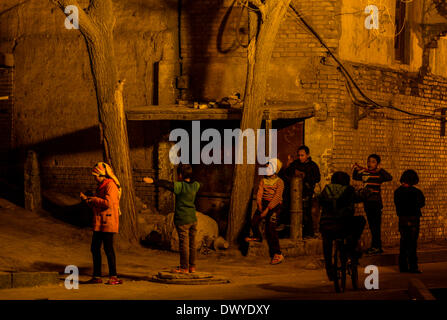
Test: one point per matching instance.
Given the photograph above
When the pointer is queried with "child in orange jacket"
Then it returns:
(269, 199)
(106, 212)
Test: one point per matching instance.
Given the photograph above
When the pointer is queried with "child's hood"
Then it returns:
(334, 191)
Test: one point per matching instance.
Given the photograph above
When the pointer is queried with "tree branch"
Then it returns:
(257, 3)
(86, 25)
(260, 5)
(101, 11)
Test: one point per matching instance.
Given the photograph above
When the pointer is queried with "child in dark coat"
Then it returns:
(337, 201)
(409, 200)
(309, 171)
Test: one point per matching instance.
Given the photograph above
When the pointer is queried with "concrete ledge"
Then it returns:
(32, 279)
(5, 280)
(289, 248)
(418, 291)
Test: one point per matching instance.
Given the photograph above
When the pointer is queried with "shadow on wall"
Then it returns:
(74, 142)
(199, 22)
(67, 209)
(87, 140)
(78, 142)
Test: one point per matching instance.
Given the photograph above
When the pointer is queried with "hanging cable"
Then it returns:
(368, 101)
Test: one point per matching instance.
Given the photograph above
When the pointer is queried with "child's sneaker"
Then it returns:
(374, 251)
(114, 281)
(277, 259)
(180, 270)
(280, 228)
(192, 269)
(250, 239)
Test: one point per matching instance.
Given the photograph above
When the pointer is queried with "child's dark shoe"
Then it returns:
(94, 280)
(415, 271)
(277, 259)
(280, 228)
(180, 270)
(374, 251)
(114, 281)
(356, 255)
(192, 269)
(330, 274)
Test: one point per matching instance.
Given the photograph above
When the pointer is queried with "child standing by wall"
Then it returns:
(409, 200)
(185, 219)
(310, 172)
(372, 178)
(268, 199)
(105, 204)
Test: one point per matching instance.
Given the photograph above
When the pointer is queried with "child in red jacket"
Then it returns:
(106, 212)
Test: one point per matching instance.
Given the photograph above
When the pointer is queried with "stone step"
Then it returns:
(10, 280)
(197, 278)
(195, 275)
(289, 248)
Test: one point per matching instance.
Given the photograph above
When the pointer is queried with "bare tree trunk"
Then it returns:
(96, 24)
(259, 56)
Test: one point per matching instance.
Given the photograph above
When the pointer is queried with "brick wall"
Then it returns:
(298, 73)
(403, 144)
(74, 180)
(216, 65)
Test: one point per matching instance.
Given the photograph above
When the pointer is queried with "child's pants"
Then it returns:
(270, 228)
(409, 233)
(351, 229)
(373, 210)
(187, 244)
(97, 240)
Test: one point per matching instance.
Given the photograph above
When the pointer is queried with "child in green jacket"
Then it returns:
(185, 219)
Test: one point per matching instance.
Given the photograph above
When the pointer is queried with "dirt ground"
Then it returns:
(38, 242)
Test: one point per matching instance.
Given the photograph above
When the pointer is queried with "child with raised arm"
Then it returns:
(269, 199)
(373, 176)
(185, 219)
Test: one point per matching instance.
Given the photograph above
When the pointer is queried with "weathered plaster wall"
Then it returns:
(438, 58)
(212, 58)
(55, 101)
(376, 46)
(59, 78)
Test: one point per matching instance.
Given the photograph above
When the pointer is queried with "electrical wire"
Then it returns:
(238, 24)
(368, 101)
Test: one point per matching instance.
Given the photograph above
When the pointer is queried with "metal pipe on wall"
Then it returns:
(296, 208)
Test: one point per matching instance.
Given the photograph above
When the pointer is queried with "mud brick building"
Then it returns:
(188, 49)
